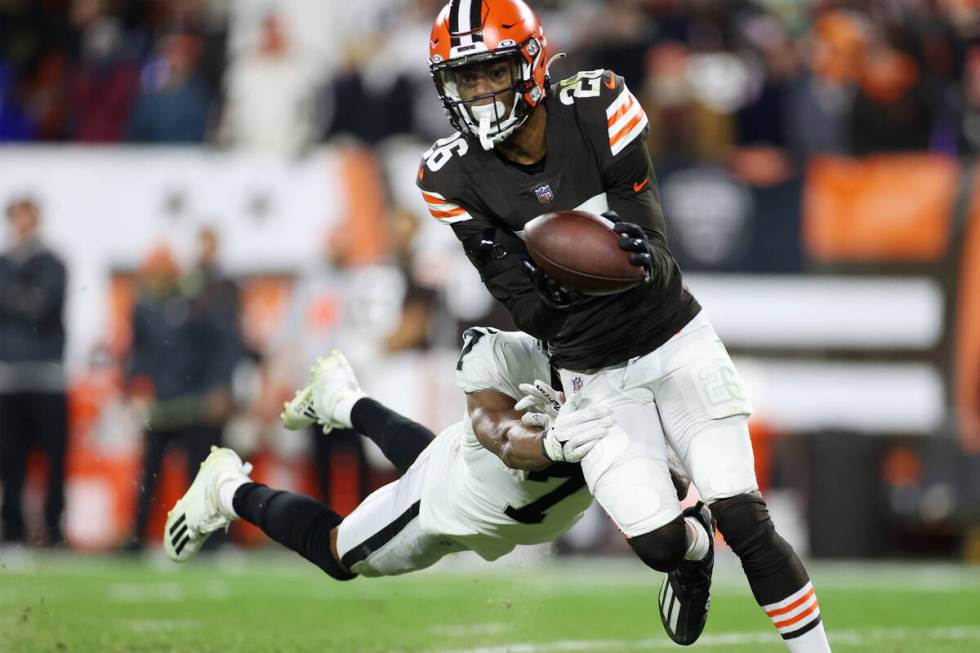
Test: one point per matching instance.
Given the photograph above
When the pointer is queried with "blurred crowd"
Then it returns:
(188, 373)
(842, 76)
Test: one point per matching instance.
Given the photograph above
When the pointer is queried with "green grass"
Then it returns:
(261, 603)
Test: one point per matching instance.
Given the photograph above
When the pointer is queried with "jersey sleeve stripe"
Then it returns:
(631, 111)
(447, 214)
(629, 133)
(619, 135)
(459, 218)
(624, 97)
(625, 119)
(443, 210)
(621, 111)
(453, 216)
(441, 206)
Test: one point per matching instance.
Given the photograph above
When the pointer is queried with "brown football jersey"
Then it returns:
(596, 161)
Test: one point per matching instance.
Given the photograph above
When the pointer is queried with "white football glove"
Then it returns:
(566, 438)
(569, 437)
(543, 403)
(540, 397)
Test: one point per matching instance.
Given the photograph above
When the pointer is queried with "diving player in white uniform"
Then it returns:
(504, 475)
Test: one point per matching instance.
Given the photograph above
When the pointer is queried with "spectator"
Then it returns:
(214, 292)
(820, 103)
(271, 101)
(180, 369)
(103, 84)
(762, 119)
(173, 104)
(15, 123)
(412, 331)
(891, 110)
(33, 411)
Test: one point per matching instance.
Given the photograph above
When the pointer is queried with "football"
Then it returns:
(581, 251)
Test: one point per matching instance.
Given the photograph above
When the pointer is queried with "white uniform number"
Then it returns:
(584, 84)
(440, 153)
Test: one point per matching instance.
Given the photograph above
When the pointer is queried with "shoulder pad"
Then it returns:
(500, 360)
(611, 114)
(440, 178)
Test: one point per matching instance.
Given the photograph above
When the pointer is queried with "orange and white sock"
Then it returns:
(797, 618)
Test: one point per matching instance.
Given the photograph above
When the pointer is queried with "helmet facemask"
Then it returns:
(489, 117)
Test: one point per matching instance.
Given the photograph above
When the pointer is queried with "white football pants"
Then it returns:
(686, 392)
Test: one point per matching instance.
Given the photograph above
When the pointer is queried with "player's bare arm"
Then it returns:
(500, 429)
(534, 440)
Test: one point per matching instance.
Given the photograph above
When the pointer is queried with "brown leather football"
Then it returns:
(581, 251)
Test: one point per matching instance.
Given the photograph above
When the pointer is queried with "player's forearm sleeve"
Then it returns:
(632, 192)
(530, 314)
(498, 256)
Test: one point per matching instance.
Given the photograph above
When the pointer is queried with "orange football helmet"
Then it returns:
(469, 33)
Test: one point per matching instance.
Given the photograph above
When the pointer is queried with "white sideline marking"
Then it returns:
(145, 593)
(469, 630)
(169, 592)
(856, 637)
(154, 625)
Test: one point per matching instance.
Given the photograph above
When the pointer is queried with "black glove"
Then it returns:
(553, 294)
(634, 240)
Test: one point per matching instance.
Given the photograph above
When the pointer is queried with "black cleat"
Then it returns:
(686, 593)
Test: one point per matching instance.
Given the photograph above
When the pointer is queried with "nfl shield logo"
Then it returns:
(577, 384)
(544, 194)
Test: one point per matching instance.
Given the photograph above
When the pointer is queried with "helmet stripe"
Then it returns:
(464, 21)
(475, 18)
(454, 22)
(465, 26)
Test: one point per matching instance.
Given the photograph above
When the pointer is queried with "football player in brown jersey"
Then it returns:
(524, 147)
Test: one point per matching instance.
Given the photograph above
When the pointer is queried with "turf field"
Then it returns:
(257, 603)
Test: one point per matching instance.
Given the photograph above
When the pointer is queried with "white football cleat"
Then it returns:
(333, 381)
(198, 513)
(298, 413)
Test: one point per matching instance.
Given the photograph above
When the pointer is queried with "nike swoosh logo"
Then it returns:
(611, 82)
(637, 187)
